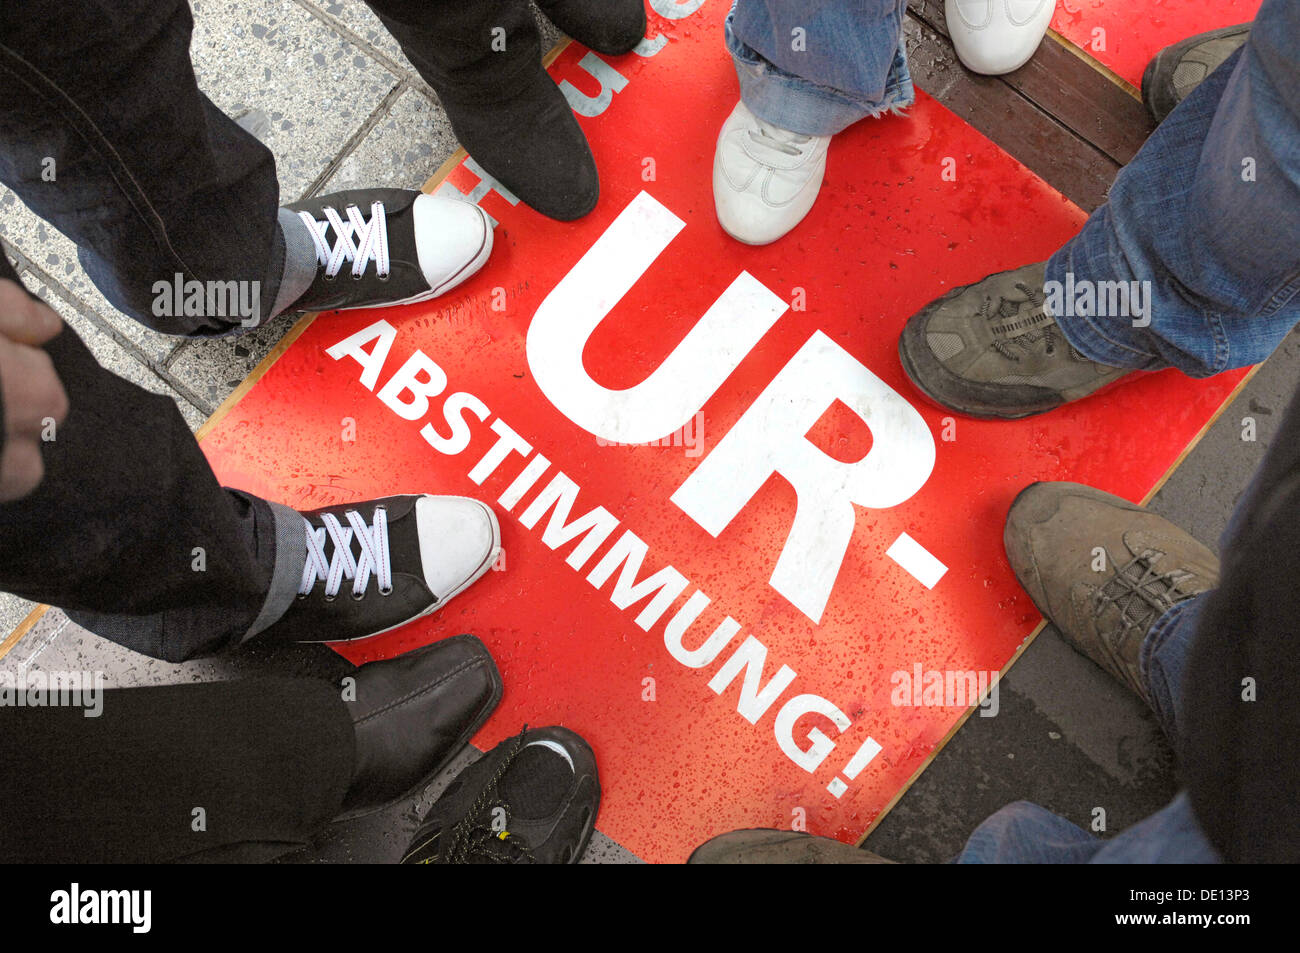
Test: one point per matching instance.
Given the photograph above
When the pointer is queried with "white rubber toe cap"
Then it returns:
(997, 36)
(452, 238)
(459, 541)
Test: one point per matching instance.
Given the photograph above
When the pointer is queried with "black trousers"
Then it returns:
(110, 533)
(150, 180)
(1240, 750)
(105, 134)
(224, 771)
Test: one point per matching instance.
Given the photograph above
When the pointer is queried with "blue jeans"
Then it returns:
(817, 66)
(1208, 212)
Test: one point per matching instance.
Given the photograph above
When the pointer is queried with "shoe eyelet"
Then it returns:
(330, 598)
(329, 277)
(385, 276)
(358, 597)
(356, 277)
(386, 592)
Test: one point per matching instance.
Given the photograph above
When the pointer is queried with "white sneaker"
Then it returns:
(997, 36)
(765, 179)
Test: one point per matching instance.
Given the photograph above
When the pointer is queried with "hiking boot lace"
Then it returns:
(1014, 346)
(1140, 592)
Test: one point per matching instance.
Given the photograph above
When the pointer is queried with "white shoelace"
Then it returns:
(371, 239)
(374, 554)
(791, 143)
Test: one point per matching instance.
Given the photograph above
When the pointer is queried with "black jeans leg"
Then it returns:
(1240, 723)
(225, 771)
(129, 531)
(105, 134)
(451, 44)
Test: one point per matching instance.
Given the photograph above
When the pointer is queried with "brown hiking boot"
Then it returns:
(780, 847)
(1176, 70)
(991, 349)
(1103, 569)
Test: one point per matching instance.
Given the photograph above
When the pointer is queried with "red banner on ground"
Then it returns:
(742, 557)
(1125, 34)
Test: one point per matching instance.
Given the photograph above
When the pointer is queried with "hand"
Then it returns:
(31, 390)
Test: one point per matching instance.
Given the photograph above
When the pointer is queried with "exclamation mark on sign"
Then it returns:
(861, 758)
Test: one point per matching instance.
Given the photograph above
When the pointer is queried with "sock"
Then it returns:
(299, 263)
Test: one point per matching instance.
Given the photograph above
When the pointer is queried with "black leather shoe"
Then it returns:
(530, 142)
(412, 714)
(379, 564)
(612, 27)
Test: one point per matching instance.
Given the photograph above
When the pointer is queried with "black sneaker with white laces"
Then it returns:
(530, 800)
(377, 565)
(378, 247)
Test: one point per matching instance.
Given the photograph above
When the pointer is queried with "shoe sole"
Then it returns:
(467, 271)
(981, 411)
(478, 574)
(498, 690)
(978, 411)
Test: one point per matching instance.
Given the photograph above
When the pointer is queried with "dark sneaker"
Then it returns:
(380, 564)
(780, 847)
(1102, 569)
(530, 800)
(389, 246)
(991, 349)
(412, 715)
(1178, 69)
(606, 26)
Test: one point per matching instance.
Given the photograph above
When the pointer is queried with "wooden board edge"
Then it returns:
(1097, 65)
(255, 375)
(948, 737)
(1196, 440)
(444, 170)
(16, 636)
